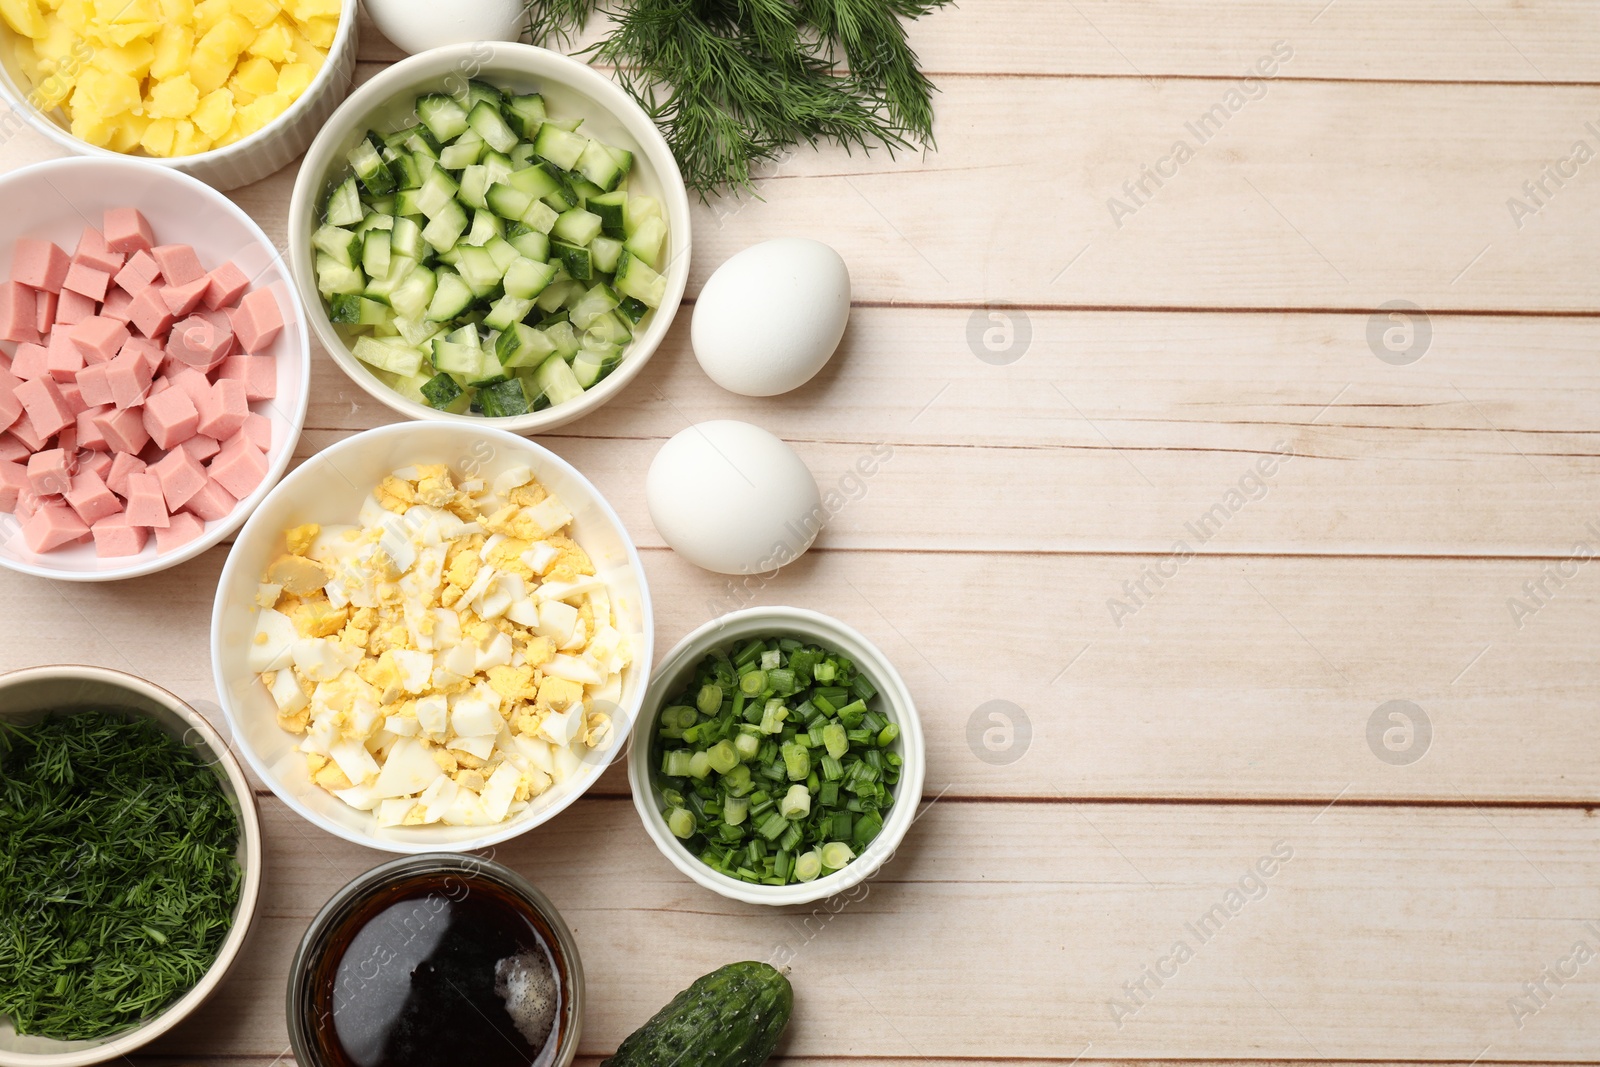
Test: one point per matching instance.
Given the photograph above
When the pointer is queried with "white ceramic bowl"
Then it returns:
(571, 89)
(63, 196)
(25, 696)
(248, 159)
(894, 703)
(329, 488)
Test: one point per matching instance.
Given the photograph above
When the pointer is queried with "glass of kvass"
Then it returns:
(436, 959)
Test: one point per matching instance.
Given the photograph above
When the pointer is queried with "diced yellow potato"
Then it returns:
(111, 92)
(157, 139)
(188, 140)
(228, 37)
(256, 114)
(174, 45)
(273, 43)
(59, 42)
(260, 13)
(179, 12)
(320, 32)
(215, 114)
(122, 21)
(130, 129)
(294, 78)
(174, 98)
(87, 125)
(75, 13)
(257, 77)
(207, 13)
(208, 68)
(241, 95)
(133, 58)
(310, 9)
(23, 16)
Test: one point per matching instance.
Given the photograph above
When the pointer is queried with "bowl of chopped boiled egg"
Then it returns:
(432, 636)
(228, 91)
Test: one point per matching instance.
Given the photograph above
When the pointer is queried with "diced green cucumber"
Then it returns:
(442, 393)
(445, 118)
(633, 309)
(505, 399)
(635, 278)
(526, 278)
(530, 243)
(575, 259)
(610, 207)
(536, 181)
(485, 118)
(481, 92)
(474, 185)
(437, 193)
(420, 141)
(367, 161)
(344, 204)
(576, 226)
(604, 252)
(555, 381)
(603, 165)
(411, 297)
(389, 354)
(452, 296)
(485, 228)
(507, 202)
(419, 333)
(507, 310)
(478, 269)
(447, 227)
(520, 345)
(348, 309)
(335, 277)
(540, 217)
(527, 114)
(564, 337)
(582, 187)
(375, 221)
(339, 243)
(609, 328)
(559, 146)
(502, 252)
(556, 293)
(408, 173)
(522, 155)
(375, 253)
(590, 365)
(638, 210)
(498, 165)
(592, 304)
(463, 152)
(647, 240)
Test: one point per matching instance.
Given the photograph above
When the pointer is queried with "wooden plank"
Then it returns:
(1119, 431)
(1239, 678)
(1492, 40)
(1366, 915)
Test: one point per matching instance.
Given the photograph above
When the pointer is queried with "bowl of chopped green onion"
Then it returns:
(132, 864)
(779, 758)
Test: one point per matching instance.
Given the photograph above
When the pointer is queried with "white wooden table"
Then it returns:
(1071, 388)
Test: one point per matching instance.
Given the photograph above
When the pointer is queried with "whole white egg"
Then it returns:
(418, 25)
(770, 318)
(732, 498)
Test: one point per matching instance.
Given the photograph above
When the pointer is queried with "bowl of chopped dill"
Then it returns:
(132, 864)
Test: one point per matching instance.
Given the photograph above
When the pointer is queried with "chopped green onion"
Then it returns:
(747, 745)
(753, 683)
(681, 822)
(833, 735)
(699, 765)
(676, 763)
(723, 757)
(808, 866)
(796, 760)
(735, 810)
(710, 699)
(887, 735)
(796, 804)
(835, 854)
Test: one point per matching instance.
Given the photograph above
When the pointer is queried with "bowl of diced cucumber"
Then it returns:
(490, 231)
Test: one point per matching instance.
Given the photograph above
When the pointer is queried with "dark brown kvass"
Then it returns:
(437, 968)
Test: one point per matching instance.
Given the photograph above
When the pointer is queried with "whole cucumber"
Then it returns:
(731, 1017)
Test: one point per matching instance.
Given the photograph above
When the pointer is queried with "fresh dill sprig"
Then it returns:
(735, 83)
(118, 876)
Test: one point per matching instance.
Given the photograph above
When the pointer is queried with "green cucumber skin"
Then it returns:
(732, 1017)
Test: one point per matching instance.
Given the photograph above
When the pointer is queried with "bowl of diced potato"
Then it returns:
(228, 91)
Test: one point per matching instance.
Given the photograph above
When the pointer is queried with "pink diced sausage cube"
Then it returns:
(27, 504)
(213, 501)
(90, 498)
(183, 529)
(258, 431)
(124, 430)
(239, 468)
(46, 407)
(100, 259)
(258, 320)
(183, 299)
(40, 264)
(99, 462)
(13, 450)
(138, 274)
(181, 476)
(19, 313)
(67, 441)
(223, 411)
(74, 398)
(53, 526)
(94, 384)
(179, 264)
(128, 377)
(147, 504)
(63, 359)
(99, 338)
(127, 231)
(74, 307)
(91, 240)
(170, 417)
(90, 435)
(47, 472)
(10, 406)
(25, 431)
(45, 310)
(13, 481)
(149, 313)
(227, 284)
(116, 306)
(191, 381)
(123, 465)
(87, 281)
(199, 343)
(149, 352)
(32, 361)
(202, 447)
(115, 537)
(259, 374)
